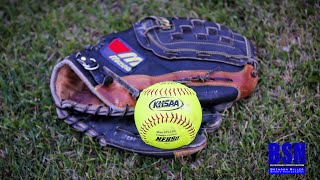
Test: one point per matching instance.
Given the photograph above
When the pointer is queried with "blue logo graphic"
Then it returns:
(120, 54)
(292, 160)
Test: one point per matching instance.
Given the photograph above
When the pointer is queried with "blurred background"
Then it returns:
(284, 108)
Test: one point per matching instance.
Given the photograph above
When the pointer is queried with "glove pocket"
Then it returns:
(72, 89)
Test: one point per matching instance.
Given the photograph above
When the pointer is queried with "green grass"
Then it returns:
(285, 106)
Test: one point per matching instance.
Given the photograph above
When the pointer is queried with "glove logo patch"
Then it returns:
(122, 55)
(165, 104)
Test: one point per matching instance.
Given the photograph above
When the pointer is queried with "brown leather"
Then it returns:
(242, 80)
(188, 151)
(119, 96)
(86, 97)
(116, 95)
(69, 85)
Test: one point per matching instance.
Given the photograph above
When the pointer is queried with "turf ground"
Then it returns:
(284, 108)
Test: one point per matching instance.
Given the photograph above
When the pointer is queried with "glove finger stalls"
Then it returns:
(121, 132)
(210, 120)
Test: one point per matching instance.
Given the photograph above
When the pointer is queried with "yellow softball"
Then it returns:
(168, 115)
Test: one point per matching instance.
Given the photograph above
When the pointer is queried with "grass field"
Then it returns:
(285, 106)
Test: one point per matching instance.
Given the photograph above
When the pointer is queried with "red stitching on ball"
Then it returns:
(165, 91)
(189, 92)
(175, 119)
(144, 92)
(189, 126)
(181, 117)
(191, 131)
(177, 115)
(146, 125)
(168, 91)
(186, 124)
(180, 90)
(143, 129)
(150, 121)
(184, 91)
(157, 118)
(153, 118)
(161, 115)
(147, 92)
(180, 120)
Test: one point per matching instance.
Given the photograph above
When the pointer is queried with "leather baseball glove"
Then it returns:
(95, 89)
